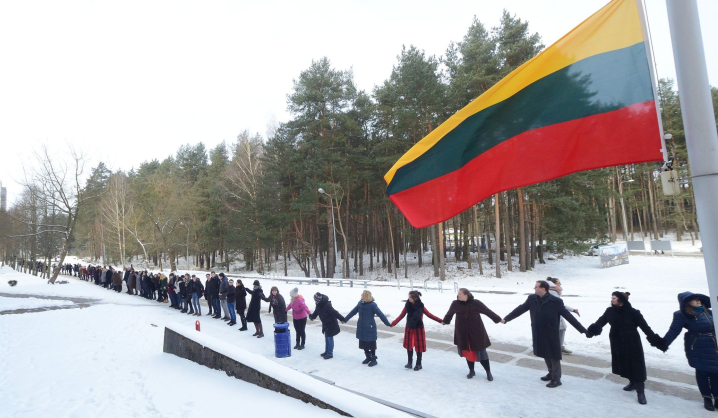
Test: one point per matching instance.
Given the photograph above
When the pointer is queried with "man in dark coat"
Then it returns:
(207, 292)
(545, 311)
(241, 304)
(108, 278)
(214, 280)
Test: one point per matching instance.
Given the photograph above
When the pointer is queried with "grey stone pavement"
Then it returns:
(668, 382)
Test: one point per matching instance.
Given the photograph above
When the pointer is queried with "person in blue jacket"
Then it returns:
(366, 326)
(699, 342)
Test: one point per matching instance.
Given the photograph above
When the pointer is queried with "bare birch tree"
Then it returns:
(114, 209)
(58, 180)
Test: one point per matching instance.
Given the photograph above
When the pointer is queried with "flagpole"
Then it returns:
(652, 70)
(700, 127)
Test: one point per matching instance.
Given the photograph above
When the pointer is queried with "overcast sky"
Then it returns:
(128, 81)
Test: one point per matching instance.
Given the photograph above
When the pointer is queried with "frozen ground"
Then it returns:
(113, 346)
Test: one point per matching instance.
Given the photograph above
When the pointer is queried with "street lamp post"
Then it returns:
(623, 208)
(334, 229)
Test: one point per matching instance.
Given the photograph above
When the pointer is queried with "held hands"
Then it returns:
(503, 321)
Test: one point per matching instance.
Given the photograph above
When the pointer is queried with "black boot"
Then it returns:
(244, 325)
(471, 369)
(418, 362)
(640, 386)
(708, 404)
(631, 386)
(554, 384)
(546, 378)
(367, 353)
(410, 356)
(296, 346)
(487, 367)
(373, 362)
(261, 330)
(256, 330)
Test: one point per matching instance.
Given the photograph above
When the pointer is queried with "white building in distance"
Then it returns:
(3, 197)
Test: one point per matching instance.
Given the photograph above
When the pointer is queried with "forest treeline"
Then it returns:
(258, 198)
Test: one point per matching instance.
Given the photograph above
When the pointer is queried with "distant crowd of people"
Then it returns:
(549, 314)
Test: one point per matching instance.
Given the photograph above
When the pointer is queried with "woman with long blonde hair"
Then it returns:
(366, 326)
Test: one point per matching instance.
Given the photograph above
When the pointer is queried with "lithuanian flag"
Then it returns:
(585, 102)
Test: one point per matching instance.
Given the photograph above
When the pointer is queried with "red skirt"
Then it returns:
(415, 339)
(469, 355)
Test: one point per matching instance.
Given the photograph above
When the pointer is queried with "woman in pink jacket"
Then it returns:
(299, 317)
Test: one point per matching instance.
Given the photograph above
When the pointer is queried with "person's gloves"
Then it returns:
(593, 330)
(657, 341)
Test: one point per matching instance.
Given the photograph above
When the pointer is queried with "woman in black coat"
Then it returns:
(277, 304)
(255, 305)
(626, 349)
(242, 304)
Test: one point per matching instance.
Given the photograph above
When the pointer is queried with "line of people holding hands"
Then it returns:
(546, 308)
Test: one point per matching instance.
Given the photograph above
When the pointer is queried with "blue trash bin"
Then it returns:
(282, 340)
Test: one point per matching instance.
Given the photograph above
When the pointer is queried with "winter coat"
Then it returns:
(126, 276)
(223, 286)
(277, 304)
(214, 281)
(108, 276)
(231, 294)
(255, 304)
(132, 281)
(195, 287)
(207, 289)
(182, 289)
(329, 316)
(163, 283)
(626, 348)
(171, 286)
(545, 313)
(117, 279)
(414, 313)
(700, 340)
(299, 308)
(469, 331)
(366, 325)
(241, 297)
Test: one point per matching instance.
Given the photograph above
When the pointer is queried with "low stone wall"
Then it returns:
(189, 349)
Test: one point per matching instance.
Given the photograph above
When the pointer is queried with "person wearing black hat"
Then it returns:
(330, 325)
(255, 304)
(699, 342)
(414, 335)
(626, 350)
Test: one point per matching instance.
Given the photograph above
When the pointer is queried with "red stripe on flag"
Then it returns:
(625, 136)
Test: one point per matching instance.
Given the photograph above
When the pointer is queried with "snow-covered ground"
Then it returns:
(110, 347)
(9, 304)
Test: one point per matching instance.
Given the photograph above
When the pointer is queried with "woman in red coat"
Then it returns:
(414, 335)
(469, 334)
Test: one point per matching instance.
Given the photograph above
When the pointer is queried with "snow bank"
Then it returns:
(348, 402)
